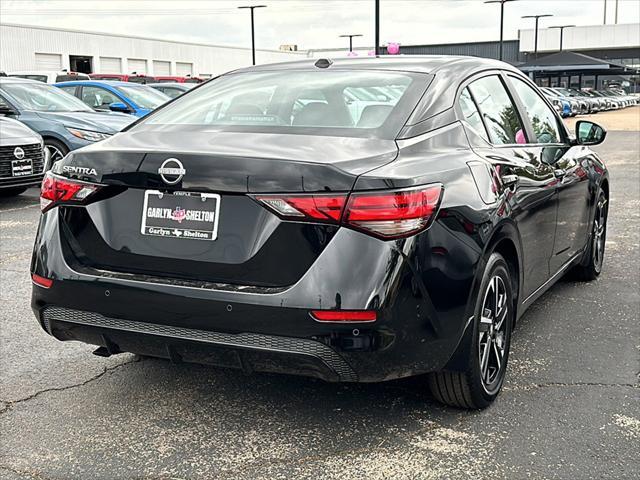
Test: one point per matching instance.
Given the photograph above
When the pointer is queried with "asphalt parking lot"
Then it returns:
(570, 408)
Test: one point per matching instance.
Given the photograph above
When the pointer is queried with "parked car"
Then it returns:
(121, 97)
(122, 77)
(50, 76)
(63, 121)
(556, 99)
(23, 158)
(405, 239)
(170, 79)
(172, 90)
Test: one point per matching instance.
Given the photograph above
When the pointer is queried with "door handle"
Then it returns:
(559, 173)
(509, 180)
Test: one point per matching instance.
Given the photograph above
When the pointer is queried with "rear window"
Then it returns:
(349, 103)
(71, 78)
(39, 78)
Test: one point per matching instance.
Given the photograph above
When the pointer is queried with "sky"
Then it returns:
(311, 24)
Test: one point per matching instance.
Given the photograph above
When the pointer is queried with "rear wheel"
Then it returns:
(481, 382)
(591, 265)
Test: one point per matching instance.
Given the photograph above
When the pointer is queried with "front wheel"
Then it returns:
(481, 382)
(591, 265)
(56, 148)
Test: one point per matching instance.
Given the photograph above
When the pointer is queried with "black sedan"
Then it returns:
(355, 220)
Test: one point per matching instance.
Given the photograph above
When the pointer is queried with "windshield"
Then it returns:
(144, 97)
(43, 98)
(348, 103)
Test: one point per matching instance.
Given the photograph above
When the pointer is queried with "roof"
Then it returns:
(572, 61)
(407, 63)
(109, 83)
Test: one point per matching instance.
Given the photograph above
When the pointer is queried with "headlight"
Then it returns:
(88, 135)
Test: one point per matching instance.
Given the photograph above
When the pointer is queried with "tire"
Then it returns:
(593, 261)
(479, 385)
(11, 192)
(57, 149)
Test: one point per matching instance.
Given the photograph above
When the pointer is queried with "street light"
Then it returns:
(562, 27)
(253, 37)
(350, 36)
(501, 2)
(537, 17)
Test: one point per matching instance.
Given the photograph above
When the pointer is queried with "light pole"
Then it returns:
(537, 17)
(501, 2)
(377, 27)
(562, 27)
(605, 12)
(350, 36)
(253, 37)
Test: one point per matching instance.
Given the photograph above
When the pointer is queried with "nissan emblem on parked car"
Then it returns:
(172, 171)
(18, 153)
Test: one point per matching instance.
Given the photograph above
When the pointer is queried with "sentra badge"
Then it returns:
(79, 170)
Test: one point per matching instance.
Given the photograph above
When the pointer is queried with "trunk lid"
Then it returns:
(253, 246)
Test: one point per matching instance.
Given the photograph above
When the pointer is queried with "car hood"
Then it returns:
(95, 121)
(13, 132)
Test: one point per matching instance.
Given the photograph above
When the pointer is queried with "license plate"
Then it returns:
(181, 215)
(21, 167)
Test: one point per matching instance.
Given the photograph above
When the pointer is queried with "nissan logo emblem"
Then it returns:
(171, 171)
(18, 153)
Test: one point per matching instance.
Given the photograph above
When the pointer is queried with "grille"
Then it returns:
(33, 152)
(255, 341)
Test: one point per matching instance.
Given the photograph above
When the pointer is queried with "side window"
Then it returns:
(98, 98)
(543, 119)
(71, 90)
(471, 113)
(498, 111)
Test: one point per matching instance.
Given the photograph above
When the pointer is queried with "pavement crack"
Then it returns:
(9, 405)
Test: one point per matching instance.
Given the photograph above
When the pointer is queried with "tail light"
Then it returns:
(59, 190)
(41, 281)
(388, 214)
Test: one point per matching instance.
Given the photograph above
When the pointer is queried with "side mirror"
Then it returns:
(119, 107)
(589, 133)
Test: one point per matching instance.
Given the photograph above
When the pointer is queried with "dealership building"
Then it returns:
(591, 57)
(38, 48)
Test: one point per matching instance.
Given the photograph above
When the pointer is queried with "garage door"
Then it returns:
(137, 65)
(161, 68)
(110, 65)
(184, 69)
(48, 61)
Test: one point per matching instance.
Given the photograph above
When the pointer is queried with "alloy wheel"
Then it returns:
(492, 334)
(599, 233)
(55, 153)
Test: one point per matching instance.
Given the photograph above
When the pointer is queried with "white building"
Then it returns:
(25, 47)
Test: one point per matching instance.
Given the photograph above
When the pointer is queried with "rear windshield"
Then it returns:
(339, 102)
(39, 78)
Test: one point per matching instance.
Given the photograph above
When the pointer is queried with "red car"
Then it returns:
(169, 79)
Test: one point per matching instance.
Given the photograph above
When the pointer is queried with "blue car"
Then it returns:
(125, 97)
(63, 121)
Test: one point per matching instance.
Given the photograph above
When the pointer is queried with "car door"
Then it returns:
(570, 165)
(528, 183)
(99, 98)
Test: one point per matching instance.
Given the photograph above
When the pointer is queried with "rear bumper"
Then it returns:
(421, 299)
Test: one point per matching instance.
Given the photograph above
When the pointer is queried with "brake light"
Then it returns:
(344, 315)
(388, 214)
(56, 190)
(393, 214)
(327, 208)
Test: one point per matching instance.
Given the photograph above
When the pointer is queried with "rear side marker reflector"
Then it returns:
(388, 214)
(41, 281)
(344, 315)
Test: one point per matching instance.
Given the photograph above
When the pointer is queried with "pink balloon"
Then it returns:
(520, 138)
(352, 54)
(393, 48)
(372, 53)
